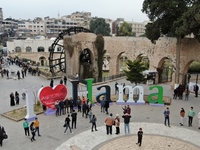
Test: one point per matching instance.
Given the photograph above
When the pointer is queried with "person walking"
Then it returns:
(61, 81)
(109, 121)
(116, 88)
(187, 92)
(140, 135)
(74, 119)
(191, 114)
(117, 124)
(51, 83)
(182, 114)
(198, 116)
(18, 74)
(36, 125)
(2, 132)
(196, 89)
(67, 125)
(166, 115)
(84, 110)
(90, 114)
(65, 80)
(106, 106)
(126, 117)
(32, 132)
(103, 105)
(26, 127)
(93, 121)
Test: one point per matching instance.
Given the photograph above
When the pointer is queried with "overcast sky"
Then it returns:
(130, 10)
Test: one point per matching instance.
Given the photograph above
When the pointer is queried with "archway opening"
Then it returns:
(191, 73)
(165, 70)
(121, 63)
(106, 65)
(85, 64)
(42, 61)
(144, 58)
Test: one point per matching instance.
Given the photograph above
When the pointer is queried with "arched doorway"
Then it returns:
(144, 59)
(165, 70)
(191, 73)
(106, 66)
(85, 64)
(42, 60)
(121, 63)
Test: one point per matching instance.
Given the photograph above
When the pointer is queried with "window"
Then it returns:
(18, 49)
(59, 49)
(28, 49)
(40, 49)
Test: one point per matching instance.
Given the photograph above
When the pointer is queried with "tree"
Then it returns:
(99, 26)
(176, 18)
(125, 30)
(134, 72)
(99, 44)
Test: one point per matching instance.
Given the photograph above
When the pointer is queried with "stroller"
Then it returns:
(23, 95)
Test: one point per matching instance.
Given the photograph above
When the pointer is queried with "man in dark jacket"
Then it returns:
(61, 104)
(126, 117)
(84, 110)
(74, 118)
(106, 106)
(71, 104)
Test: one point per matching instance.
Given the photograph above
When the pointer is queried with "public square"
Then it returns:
(150, 118)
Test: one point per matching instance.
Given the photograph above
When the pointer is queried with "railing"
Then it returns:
(97, 80)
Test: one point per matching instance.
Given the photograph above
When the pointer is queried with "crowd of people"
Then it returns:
(191, 114)
(180, 90)
(83, 106)
(33, 128)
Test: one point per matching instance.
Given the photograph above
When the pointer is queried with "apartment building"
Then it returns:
(9, 25)
(54, 26)
(137, 27)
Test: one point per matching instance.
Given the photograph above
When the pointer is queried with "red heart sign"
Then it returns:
(48, 96)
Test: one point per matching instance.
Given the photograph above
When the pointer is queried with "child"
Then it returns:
(90, 115)
(140, 134)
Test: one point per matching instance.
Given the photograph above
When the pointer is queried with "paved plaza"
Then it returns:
(150, 118)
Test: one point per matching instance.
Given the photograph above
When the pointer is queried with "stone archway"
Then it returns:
(42, 60)
(118, 62)
(165, 70)
(106, 64)
(86, 64)
(144, 59)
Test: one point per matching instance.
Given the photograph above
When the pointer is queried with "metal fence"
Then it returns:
(97, 80)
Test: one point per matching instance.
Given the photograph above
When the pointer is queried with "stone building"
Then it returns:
(1, 19)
